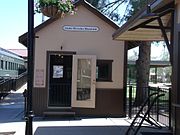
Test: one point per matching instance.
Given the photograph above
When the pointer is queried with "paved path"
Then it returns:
(11, 108)
(12, 111)
(11, 120)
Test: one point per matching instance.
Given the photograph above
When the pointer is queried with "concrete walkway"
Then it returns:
(12, 113)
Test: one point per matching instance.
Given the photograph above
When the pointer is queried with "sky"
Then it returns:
(14, 22)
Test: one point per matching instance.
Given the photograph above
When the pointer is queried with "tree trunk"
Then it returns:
(143, 67)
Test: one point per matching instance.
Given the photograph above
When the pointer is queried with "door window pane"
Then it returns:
(83, 79)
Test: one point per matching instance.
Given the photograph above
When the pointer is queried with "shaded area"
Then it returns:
(96, 130)
(79, 130)
(152, 133)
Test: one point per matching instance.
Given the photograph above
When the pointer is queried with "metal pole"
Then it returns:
(170, 111)
(130, 102)
(157, 111)
(149, 93)
(30, 41)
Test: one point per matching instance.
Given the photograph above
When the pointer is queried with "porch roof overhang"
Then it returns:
(144, 26)
(153, 63)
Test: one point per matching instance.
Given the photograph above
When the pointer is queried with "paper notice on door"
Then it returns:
(39, 78)
(57, 71)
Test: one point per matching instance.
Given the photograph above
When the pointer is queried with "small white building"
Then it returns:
(78, 67)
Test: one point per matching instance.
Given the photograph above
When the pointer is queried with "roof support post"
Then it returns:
(172, 35)
(169, 46)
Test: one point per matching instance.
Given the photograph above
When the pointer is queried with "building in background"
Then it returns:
(11, 64)
(20, 52)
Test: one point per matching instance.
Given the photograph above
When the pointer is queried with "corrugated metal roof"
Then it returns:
(20, 52)
(9, 54)
(154, 63)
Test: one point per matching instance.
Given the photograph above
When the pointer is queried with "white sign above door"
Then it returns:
(81, 28)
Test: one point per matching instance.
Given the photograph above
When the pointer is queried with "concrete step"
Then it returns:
(59, 113)
(7, 133)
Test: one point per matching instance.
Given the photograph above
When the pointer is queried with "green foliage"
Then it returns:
(65, 6)
(48, 2)
(95, 3)
(133, 7)
(137, 5)
(110, 8)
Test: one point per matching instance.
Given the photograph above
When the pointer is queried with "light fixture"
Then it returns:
(61, 47)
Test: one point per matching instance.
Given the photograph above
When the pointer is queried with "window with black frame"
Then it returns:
(104, 70)
(2, 64)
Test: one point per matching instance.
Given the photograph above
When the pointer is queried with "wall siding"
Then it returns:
(109, 103)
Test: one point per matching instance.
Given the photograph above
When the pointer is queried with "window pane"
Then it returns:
(2, 65)
(9, 65)
(104, 70)
(83, 79)
(6, 65)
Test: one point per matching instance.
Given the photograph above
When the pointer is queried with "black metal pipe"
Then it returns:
(170, 111)
(149, 93)
(157, 105)
(172, 63)
(130, 102)
(30, 40)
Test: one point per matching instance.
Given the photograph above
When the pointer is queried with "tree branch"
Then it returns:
(116, 7)
(109, 4)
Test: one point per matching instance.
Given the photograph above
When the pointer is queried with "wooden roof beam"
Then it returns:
(152, 19)
(155, 27)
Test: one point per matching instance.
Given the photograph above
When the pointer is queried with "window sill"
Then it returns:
(104, 80)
